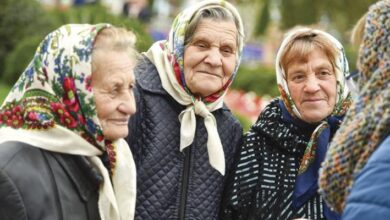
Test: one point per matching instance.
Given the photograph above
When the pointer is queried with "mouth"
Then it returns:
(313, 100)
(120, 121)
(211, 73)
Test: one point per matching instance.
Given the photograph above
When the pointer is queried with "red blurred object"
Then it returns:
(246, 104)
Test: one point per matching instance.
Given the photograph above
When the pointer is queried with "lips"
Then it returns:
(210, 73)
(119, 121)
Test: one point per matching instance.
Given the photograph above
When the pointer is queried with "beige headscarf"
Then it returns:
(168, 58)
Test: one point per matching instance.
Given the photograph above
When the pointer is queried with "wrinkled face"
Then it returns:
(112, 84)
(312, 86)
(210, 58)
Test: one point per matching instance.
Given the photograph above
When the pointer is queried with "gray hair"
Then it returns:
(114, 39)
(216, 13)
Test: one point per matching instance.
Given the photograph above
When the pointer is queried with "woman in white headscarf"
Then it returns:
(62, 153)
(183, 137)
(277, 171)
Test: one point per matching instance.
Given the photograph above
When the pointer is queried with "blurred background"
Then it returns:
(24, 23)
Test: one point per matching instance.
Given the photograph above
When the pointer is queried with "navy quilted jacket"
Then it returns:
(173, 184)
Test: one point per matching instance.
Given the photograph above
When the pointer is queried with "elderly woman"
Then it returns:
(277, 170)
(62, 153)
(355, 177)
(183, 137)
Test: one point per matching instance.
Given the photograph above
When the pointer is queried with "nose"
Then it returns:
(128, 105)
(312, 84)
(214, 57)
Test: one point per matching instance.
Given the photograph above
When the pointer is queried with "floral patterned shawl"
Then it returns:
(51, 107)
(168, 57)
(306, 182)
(367, 122)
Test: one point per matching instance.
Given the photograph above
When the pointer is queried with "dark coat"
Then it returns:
(262, 186)
(173, 184)
(36, 184)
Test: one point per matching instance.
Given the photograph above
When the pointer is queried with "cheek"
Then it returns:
(294, 92)
(228, 67)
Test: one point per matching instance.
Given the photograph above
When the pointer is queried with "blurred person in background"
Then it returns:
(183, 137)
(355, 177)
(276, 172)
(137, 9)
(62, 152)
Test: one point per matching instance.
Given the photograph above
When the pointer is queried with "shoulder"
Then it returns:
(12, 151)
(366, 199)
(147, 76)
(12, 157)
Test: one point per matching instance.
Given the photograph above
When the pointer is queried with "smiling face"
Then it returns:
(210, 57)
(112, 84)
(312, 86)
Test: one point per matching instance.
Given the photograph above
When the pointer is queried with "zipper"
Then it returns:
(185, 180)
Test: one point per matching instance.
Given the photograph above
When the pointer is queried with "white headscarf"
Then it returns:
(168, 57)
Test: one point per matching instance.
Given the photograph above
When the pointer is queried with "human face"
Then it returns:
(312, 86)
(112, 84)
(210, 58)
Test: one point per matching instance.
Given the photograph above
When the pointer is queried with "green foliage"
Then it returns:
(244, 121)
(302, 12)
(261, 80)
(263, 19)
(96, 13)
(4, 90)
(19, 58)
(20, 19)
(25, 23)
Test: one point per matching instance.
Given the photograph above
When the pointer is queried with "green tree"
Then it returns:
(20, 19)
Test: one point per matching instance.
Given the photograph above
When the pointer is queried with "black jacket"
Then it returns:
(173, 184)
(262, 185)
(36, 184)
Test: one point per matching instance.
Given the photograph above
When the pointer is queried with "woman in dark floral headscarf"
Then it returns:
(62, 155)
(357, 163)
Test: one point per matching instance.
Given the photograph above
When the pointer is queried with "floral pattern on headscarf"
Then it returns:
(343, 98)
(168, 57)
(55, 89)
(367, 122)
(306, 183)
(175, 43)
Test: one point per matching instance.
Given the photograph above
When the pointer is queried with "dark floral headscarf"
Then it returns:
(51, 107)
(367, 122)
(306, 184)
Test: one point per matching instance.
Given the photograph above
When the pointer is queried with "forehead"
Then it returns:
(216, 29)
(111, 64)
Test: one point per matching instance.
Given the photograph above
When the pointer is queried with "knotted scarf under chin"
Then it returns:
(187, 131)
(306, 183)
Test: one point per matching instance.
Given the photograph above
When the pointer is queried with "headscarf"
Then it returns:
(306, 183)
(51, 107)
(367, 122)
(168, 57)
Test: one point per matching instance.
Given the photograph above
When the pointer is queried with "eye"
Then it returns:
(297, 77)
(227, 50)
(325, 73)
(201, 44)
(131, 86)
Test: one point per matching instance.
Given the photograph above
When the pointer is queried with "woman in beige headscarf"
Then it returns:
(183, 137)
